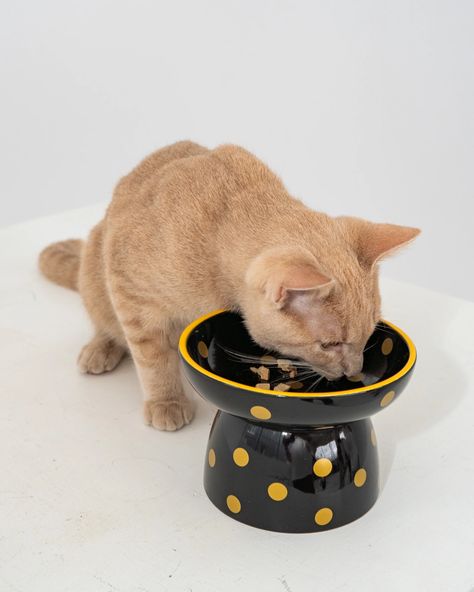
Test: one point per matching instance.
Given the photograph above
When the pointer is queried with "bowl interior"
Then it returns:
(222, 345)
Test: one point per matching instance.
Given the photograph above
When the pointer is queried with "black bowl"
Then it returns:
(212, 348)
(299, 460)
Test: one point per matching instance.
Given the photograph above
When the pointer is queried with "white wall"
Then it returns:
(364, 108)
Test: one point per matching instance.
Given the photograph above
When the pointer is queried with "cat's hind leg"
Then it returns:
(108, 346)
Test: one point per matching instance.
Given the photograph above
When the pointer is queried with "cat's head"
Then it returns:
(322, 310)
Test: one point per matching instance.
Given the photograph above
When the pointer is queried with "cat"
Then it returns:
(191, 230)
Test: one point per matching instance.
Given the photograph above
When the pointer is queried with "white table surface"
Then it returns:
(93, 500)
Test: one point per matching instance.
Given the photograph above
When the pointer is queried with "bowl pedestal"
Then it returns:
(291, 478)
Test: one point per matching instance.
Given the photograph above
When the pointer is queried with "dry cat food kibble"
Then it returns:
(295, 384)
(285, 365)
(281, 369)
(262, 371)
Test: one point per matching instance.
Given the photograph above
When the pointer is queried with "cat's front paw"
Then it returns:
(99, 356)
(168, 415)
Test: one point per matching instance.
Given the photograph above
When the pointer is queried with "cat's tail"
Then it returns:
(59, 262)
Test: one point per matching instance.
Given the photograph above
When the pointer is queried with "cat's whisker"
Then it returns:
(257, 360)
(370, 347)
(246, 358)
(241, 356)
(298, 378)
(316, 381)
(314, 384)
(383, 329)
(307, 373)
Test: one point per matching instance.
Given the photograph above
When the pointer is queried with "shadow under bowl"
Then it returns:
(299, 460)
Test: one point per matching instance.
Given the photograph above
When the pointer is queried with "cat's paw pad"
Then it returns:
(168, 415)
(98, 357)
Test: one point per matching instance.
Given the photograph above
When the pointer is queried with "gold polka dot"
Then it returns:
(211, 457)
(268, 360)
(260, 412)
(241, 457)
(322, 467)
(387, 346)
(373, 438)
(323, 516)
(277, 491)
(387, 399)
(296, 384)
(360, 477)
(233, 503)
(356, 378)
(202, 349)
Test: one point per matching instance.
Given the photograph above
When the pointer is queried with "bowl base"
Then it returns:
(291, 479)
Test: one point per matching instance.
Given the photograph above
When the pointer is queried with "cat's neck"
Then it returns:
(268, 222)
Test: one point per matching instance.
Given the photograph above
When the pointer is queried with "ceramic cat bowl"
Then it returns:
(293, 460)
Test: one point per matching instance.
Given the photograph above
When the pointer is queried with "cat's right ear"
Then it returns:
(289, 278)
(373, 242)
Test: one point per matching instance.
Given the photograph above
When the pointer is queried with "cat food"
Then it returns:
(284, 371)
(262, 371)
(285, 365)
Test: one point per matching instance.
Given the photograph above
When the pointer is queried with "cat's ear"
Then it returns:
(288, 277)
(373, 242)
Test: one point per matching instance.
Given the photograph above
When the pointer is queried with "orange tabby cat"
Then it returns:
(190, 230)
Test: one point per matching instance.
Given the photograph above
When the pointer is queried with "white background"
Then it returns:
(364, 108)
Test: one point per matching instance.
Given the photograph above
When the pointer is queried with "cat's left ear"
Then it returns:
(289, 277)
(373, 242)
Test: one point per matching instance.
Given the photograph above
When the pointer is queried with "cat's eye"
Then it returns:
(330, 344)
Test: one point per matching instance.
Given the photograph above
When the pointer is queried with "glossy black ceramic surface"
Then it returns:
(291, 481)
(294, 461)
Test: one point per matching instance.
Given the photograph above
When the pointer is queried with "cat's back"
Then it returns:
(185, 192)
(147, 174)
(188, 173)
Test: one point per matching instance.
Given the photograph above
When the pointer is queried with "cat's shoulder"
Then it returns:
(242, 162)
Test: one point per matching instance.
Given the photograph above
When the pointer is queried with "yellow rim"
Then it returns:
(183, 348)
